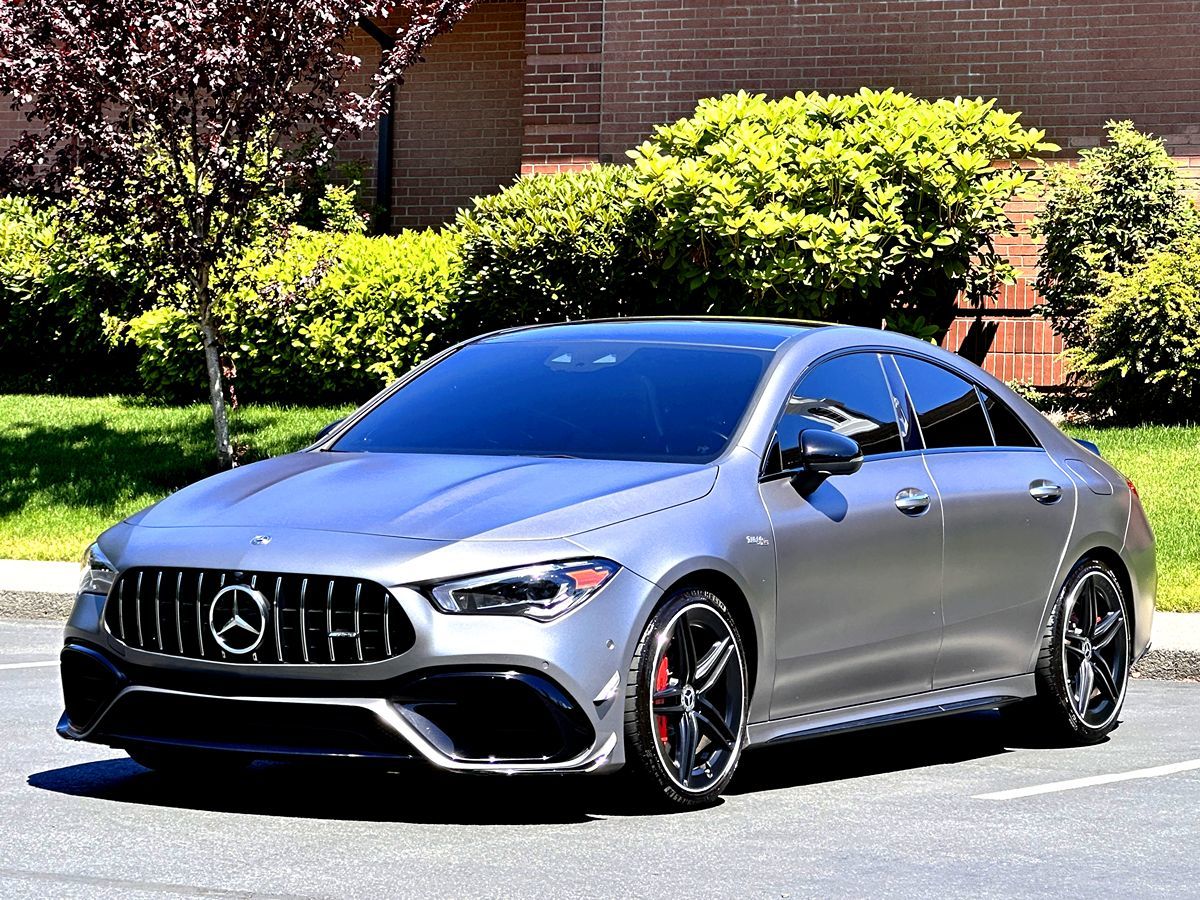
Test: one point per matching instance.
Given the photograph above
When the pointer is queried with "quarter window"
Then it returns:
(847, 395)
(948, 407)
(1007, 426)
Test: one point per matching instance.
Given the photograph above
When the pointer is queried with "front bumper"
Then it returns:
(474, 693)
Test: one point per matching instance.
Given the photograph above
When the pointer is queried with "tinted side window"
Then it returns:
(1010, 431)
(847, 395)
(910, 435)
(948, 407)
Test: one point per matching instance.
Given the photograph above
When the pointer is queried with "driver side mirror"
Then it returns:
(818, 455)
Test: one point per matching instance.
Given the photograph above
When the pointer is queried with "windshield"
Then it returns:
(591, 399)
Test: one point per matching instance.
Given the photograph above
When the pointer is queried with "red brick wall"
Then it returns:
(458, 120)
(11, 125)
(564, 42)
(1068, 66)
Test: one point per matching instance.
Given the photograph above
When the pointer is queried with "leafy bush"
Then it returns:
(856, 208)
(553, 247)
(1119, 204)
(54, 285)
(1142, 359)
(332, 316)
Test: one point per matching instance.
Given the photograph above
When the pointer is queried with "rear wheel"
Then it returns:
(179, 763)
(686, 701)
(1083, 667)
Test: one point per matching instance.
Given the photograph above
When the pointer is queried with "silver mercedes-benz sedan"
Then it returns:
(636, 545)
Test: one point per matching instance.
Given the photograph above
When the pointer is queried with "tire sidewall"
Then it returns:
(1055, 674)
(643, 755)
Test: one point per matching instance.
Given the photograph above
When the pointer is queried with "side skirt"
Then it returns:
(943, 702)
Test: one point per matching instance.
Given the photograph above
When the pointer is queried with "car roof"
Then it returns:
(744, 333)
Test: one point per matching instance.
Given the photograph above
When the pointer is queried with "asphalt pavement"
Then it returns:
(942, 808)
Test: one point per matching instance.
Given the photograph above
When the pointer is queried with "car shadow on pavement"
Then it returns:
(422, 796)
(876, 751)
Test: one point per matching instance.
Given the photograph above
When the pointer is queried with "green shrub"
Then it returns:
(858, 208)
(55, 285)
(1143, 357)
(1119, 204)
(552, 247)
(332, 316)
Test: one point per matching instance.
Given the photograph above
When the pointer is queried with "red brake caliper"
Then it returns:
(661, 678)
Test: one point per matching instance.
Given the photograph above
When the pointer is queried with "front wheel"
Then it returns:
(1083, 666)
(686, 701)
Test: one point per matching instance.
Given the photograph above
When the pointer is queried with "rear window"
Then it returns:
(593, 399)
(947, 406)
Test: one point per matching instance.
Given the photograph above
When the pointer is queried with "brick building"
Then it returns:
(545, 85)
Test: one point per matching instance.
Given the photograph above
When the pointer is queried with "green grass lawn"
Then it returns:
(1164, 464)
(70, 467)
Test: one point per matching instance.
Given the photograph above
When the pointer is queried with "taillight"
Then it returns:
(1133, 488)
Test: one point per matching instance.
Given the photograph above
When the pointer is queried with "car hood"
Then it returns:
(432, 497)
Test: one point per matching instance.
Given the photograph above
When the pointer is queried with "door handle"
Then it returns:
(912, 501)
(1044, 491)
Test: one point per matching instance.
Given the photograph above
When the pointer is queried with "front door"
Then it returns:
(860, 558)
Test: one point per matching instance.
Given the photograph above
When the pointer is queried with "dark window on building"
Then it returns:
(847, 395)
(1008, 428)
(948, 407)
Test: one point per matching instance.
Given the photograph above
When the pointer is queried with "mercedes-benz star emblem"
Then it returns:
(237, 618)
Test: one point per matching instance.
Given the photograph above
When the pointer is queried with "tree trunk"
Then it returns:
(216, 393)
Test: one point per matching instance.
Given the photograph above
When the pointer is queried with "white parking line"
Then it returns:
(40, 664)
(1075, 783)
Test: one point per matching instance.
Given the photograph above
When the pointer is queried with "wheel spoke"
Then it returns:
(712, 666)
(687, 738)
(1087, 609)
(1087, 678)
(1108, 684)
(667, 702)
(1072, 647)
(713, 723)
(1106, 630)
(687, 651)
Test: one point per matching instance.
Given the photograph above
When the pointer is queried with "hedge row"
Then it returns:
(869, 207)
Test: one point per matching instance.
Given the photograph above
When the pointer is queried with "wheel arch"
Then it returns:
(735, 599)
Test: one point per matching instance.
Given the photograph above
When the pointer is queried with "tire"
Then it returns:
(1072, 644)
(178, 762)
(686, 702)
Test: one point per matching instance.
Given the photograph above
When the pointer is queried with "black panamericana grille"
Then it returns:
(312, 618)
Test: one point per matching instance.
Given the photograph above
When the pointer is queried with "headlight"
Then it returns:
(96, 573)
(539, 592)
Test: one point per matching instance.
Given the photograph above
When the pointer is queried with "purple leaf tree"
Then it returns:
(174, 124)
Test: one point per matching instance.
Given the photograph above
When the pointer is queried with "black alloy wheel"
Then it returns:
(1083, 666)
(686, 703)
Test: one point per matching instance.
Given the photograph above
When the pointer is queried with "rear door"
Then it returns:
(1008, 512)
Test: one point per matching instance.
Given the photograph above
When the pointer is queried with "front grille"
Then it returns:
(311, 618)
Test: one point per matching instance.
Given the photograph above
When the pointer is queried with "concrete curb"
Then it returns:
(1169, 665)
(35, 605)
(1171, 658)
